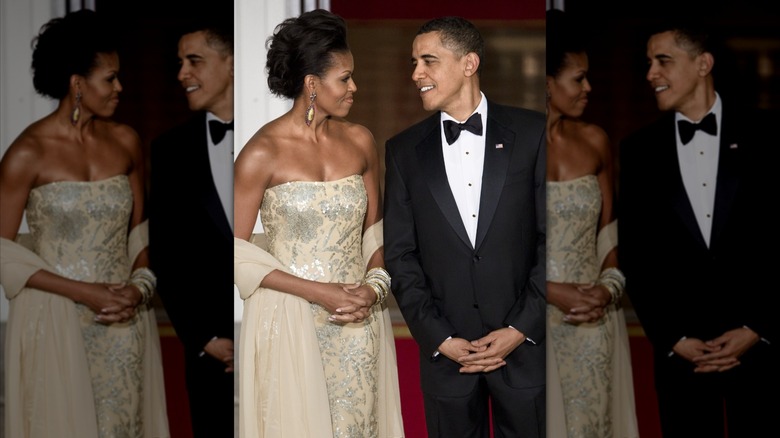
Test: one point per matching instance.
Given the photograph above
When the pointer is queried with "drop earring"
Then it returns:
(74, 116)
(310, 109)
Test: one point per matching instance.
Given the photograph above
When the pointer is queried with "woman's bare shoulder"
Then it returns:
(594, 136)
(592, 132)
(266, 140)
(124, 135)
(265, 145)
(31, 143)
(356, 134)
(358, 131)
(27, 154)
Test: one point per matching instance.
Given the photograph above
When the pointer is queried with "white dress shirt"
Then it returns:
(464, 161)
(699, 169)
(221, 161)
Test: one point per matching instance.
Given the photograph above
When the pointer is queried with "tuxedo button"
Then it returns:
(476, 306)
(477, 259)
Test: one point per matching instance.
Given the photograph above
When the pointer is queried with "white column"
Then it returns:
(20, 21)
(20, 105)
(254, 104)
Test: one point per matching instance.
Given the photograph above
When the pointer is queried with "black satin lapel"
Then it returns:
(682, 204)
(209, 194)
(499, 144)
(432, 163)
(667, 142)
(217, 212)
(729, 165)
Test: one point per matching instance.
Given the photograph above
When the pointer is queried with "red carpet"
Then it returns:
(175, 388)
(409, 377)
(644, 386)
(409, 382)
(411, 396)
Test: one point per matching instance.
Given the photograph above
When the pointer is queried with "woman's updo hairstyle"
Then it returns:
(302, 46)
(564, 37)
(66, 46)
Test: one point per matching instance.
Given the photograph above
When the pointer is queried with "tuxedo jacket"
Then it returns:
(677, 284)
(444, 285)
(190, 239)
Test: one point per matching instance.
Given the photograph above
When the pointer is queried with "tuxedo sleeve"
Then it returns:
(530, 309)
(759, 235)
(189, 302)
(426, 322)
(643, 254)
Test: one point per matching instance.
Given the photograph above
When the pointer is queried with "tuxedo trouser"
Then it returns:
(210, 392)
(517, 413)
(742, 400)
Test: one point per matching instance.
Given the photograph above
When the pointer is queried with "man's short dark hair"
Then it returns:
(458, 35)
(218, 28)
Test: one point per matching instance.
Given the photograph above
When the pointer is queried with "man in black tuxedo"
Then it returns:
(190, 225)
(464, 243)
(692, 226)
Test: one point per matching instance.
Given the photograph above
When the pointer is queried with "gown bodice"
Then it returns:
(80, 227)
(574, 207)
(316, 228)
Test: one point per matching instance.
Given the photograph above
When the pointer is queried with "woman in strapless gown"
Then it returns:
(589, 379)
(316, 350)
(82, 348)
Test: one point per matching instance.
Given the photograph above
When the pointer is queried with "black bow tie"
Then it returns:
(217, 130)
(452, 129)
(708, 124)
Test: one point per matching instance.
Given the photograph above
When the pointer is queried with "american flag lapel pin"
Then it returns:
(499, 145)
(733, 146)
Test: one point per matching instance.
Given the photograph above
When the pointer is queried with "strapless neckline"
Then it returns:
(316, 182)
(573, 180)
(64, 182)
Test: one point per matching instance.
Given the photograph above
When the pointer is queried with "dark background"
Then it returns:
(152, 99)
(747, 70)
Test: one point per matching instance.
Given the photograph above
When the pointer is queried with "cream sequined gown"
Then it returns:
(584, 355)
(81, 229)
(315, 229)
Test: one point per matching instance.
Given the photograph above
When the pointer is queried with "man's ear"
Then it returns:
(705, 63)
(472, 64)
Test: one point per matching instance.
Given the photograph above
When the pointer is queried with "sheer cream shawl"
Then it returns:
(47, 383)
(282, 389)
